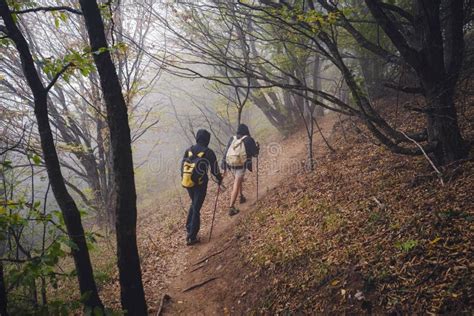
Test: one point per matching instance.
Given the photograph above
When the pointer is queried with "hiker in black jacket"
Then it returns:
(197, 193)
(239, 169)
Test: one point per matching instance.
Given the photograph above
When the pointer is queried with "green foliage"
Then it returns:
(73, 60)
(77, 60)
(313, 19)
(41, 263)
(16, 5)
(407, 246)
(59, 16)
(36, 159)
(4, 43)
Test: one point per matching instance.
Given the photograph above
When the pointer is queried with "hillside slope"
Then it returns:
(366, 232)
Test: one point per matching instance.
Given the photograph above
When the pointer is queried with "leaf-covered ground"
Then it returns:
(368, 232)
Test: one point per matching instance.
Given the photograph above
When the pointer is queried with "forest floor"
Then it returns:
(368, 232)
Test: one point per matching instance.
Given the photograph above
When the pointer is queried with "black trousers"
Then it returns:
(193, 223)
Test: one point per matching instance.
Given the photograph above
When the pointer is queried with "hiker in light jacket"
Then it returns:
(197, 192)
(251, 150)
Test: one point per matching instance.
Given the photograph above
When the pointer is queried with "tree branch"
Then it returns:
(48, 9)
(405, 89)
(411, 55)
(410, 18)
(57, 76)
(438, 173)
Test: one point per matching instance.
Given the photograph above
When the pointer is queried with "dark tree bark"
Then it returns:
(3, 293)
(437, 64)
(66, 203)
(132, 294)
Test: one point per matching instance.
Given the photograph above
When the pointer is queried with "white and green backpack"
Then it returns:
(236, 154)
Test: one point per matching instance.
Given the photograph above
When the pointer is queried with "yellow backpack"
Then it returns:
(191, 174)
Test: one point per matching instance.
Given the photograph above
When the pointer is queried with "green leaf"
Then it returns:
(101, 50)
(63, 16)
(407, 246)
(36, 159)
(37, 204)
(7, 164)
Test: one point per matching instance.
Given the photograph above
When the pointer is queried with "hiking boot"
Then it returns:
(242, 199)
(233, 211)
(191, 242)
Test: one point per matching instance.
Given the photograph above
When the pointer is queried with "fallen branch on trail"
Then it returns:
(199, 267)
(212, 255)
(164, 298)
(199, 284)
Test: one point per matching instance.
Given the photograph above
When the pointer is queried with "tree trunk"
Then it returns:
(318, 111)
(3, 293)
(443, 129)
(132, 294)
(437, 64)
(310, 132)
(283, 123)
(66, 203)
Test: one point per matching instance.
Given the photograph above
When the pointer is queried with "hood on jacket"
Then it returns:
(243, 130)
(203, 137)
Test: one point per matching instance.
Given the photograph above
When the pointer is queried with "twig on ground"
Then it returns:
(199, 284)
(151, 239)
(199, 267)
(379, 204)
(212, 255)
(164, 298)
(440, 175)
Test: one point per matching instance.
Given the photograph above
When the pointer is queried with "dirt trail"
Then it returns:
(278, 161)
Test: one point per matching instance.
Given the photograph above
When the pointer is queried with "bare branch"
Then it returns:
(48, 9)
(438, 173)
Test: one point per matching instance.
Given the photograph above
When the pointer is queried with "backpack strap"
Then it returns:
(200, 154)
(241, 139)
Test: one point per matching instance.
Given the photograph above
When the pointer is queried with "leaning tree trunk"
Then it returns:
(68, 207)
(132, 294)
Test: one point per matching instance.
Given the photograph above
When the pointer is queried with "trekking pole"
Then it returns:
(257, 178)
(215, 208)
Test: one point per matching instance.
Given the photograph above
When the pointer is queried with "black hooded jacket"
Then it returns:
(203, 138)
(250, 147)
